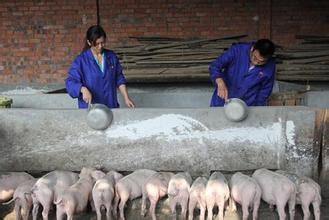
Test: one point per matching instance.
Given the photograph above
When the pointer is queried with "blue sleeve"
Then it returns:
(266, 89)
(223, 61)
(73, 82)
(120, 79)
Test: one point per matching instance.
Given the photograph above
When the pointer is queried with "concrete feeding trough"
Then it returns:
(197, 140)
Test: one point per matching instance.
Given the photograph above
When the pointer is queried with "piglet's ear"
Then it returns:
(97, 174)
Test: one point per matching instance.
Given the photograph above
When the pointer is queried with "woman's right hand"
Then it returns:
(221, 89)
(86, 95)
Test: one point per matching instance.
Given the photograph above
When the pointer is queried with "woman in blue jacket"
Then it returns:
(96, 73)
(245, 71)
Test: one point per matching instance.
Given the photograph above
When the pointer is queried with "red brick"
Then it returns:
(52, 31)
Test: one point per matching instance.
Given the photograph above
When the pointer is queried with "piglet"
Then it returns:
(277, 190)
(75, 198)
(245, 191)
(178, 192)
(9, 182)
(23, 199)
(198, 197)
(154, 189)
(217, 193)
(103, 193)
(130, 187)
(46, 189)
(308, 192)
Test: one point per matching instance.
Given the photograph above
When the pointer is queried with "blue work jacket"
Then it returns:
(85, 71)
(252, 86)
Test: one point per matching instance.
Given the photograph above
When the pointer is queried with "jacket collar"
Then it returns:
(90, 55)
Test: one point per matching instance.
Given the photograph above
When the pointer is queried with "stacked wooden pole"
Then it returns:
(158, 59)
(170, 60)
(307, 61)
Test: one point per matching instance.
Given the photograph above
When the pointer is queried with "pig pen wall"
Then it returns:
(152, 95)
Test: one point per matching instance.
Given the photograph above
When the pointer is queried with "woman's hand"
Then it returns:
(221, 89)
(124, 92)
(129, 103)
(86, 95)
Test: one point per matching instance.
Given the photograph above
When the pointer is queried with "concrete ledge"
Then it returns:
(148, 99)
(318, 99)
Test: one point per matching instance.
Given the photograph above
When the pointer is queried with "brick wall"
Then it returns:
(40, 38)
(299, 17)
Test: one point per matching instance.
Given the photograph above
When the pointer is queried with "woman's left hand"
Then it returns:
(129, 103)
(124, 93)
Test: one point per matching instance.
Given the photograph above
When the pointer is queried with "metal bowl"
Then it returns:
(99, 116)
(235, 109)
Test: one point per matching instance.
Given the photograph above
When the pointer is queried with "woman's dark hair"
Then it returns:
(93, 33)
(265, 47)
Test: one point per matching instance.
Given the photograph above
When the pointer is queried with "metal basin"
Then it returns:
(99, 116)
(235, 109)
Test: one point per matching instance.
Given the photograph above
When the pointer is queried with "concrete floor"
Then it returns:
(6, 212)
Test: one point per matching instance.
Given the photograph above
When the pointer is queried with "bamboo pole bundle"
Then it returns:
(307, 61)
(161, 59)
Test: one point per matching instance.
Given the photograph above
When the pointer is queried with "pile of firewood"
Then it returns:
(307, 61)
(158, 59)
